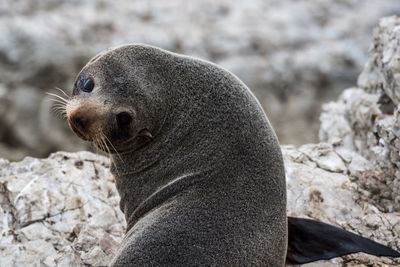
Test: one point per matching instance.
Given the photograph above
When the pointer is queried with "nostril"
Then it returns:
(124, 119)
(79, 122)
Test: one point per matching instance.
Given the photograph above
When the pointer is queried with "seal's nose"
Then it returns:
(80, 122)
(85, 118)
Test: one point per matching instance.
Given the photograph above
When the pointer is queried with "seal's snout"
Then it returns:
(84, 119)
(124, 120)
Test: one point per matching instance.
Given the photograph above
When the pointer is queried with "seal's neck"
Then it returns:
(142, 173)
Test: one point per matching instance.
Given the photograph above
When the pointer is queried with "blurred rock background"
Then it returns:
(294, 55)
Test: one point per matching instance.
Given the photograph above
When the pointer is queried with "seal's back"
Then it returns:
(214, 193)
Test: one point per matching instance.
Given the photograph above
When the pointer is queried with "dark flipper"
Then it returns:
(311, 240)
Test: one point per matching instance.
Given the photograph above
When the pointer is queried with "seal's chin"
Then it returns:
(104, 145)
(112, 141)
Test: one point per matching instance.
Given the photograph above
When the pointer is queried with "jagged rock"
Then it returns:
(64, 210)
(332, 196)
(366, 118)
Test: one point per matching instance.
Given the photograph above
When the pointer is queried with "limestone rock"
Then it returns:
(366, 119)
(335, 197)
(63, 210)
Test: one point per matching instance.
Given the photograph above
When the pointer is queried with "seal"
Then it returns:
(197, 165)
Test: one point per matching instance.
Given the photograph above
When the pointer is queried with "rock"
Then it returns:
(313, 190)
(334, 197)
(364, 122)
(61, 211)
(324, 157)
(64, 210)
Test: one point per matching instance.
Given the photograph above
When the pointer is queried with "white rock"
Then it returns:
(72, 237)
(37, 231)
(373, 117)
(324, 157)
(65, 203)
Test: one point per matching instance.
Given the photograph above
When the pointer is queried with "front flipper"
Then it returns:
(311, 240)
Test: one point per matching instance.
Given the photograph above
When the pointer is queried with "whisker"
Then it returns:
(62, 91)
(105, 144)
(96, 143)
(61, 116)
(59, 111)
(56, 101)
(58, 114)
(95, 147)
(59, 105)
(111, 158)
(57, 96)
(116, 152)
(99, 143)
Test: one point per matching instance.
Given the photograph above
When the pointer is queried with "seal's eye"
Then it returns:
(123, 120)
(88, 85)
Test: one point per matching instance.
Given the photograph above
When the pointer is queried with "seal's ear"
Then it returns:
(311, 240)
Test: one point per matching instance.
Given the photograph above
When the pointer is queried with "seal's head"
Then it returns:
(114, 100)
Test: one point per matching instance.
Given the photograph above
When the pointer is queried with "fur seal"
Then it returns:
(197, 165)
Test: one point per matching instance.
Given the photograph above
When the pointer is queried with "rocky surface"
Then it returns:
(63, 210)
(322, 184)
(366, 118)
(59, 211)
(292, 54)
